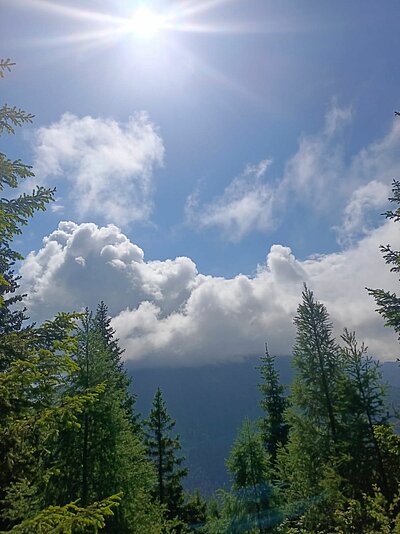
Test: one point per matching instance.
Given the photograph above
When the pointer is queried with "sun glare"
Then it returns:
(145, 23)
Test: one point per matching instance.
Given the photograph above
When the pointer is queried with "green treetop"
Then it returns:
(273, 425)
(164, 450)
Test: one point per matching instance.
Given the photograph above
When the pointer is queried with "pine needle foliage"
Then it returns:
(388, 304)
(163, 449)
(273, 425)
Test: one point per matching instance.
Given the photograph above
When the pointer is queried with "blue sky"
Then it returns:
(253, 124)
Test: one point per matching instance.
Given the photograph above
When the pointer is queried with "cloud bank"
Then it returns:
(109, 165)
(166, 313)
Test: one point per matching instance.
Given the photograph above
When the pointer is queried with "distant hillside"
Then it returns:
(209, 404)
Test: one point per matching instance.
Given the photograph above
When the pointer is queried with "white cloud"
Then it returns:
(245, 205)
(166, 313)
(336, 118)
(109, 164)
(313, 173)
(321, 176)
(81, 264)
(366, 198)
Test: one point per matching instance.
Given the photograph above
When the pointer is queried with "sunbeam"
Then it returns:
(155, 28)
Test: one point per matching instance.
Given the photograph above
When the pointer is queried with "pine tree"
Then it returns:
(14, 213)
(35, 408)
(41, 412)
(164, 451)
(363, 409)
(250, 505)
(107, 456)
(308, 466)
(389, 303)
(102, 322)
(274, 427)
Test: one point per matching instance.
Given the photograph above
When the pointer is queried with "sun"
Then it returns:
(145, 23)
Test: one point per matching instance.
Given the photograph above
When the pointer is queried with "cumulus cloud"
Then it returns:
(108, 164)
(321, 175)
(81, 264)
(166, 313)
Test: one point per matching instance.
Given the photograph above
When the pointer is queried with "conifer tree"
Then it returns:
(249, 467)
(102, 322)
(316, 359)
(308, 466)
(164, 450)
(194, 513)
(363, 409)
(39, 407)
(249, 506)
(14, 213)
(389, 303)
(274, 427)
(107, 456)
(35, 408)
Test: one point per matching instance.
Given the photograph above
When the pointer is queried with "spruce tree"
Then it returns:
(273, 425)
(250, 504)
(249, 468)
(14, 214)
(41, 411)
(164, 451)
(389, 303)
(308, 466)
(35, 409)
(102, 322)
(107, 456)
(363, 409)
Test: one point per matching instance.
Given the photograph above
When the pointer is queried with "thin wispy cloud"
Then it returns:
(366, 200)
(320, 176)
(244, 206)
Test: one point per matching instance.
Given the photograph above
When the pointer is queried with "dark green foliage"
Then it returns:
(273, 426)
(362, 407)
(194, 513)
(70, 518)
(14, 213)
(316, 359)
(35, 407)
(389, 303)
(339, 440)
(164, 451)
(102, 323)
(106, 455)
(65, 432)
(308, 466)
(249, 506)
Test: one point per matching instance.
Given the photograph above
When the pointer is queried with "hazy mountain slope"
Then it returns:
(209, 404)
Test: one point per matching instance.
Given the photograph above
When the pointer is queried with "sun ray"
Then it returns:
(193, 7)
(76, 38)
(72, 12)
(144, 24)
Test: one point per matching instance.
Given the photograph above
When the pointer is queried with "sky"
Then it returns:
(209, 157)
